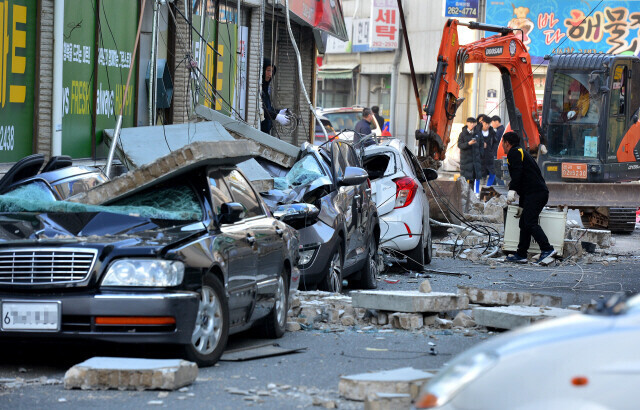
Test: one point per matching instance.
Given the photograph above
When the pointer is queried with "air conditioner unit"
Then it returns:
(551, 221)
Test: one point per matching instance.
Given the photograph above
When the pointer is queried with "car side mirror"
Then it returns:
(230, 212)
(430, 173)
(297, 215)
(353, 176)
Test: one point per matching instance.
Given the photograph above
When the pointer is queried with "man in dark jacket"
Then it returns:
(379, 118)
(496, 124)
(528, 183)
(363, 128)
(270, 112)
(489, 139)
(470, 152)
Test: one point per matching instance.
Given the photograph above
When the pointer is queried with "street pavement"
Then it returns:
(296, 380)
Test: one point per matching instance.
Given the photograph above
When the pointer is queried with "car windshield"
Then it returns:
(344, 120)
(303, 172)
(572, 116)
(78, 184)
(177, 202)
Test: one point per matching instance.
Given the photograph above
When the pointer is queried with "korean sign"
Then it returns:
(567, 27)
(385, 20)
(461, 8)
(17, 77)
(359, 32)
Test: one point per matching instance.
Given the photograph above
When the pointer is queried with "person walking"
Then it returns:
(470, 154)
(270, 112)
(528, 183)
(363, 127)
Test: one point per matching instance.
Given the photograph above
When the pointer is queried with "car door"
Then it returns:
(345, 200)
(237, 252)
(362, 193)
(263, 235)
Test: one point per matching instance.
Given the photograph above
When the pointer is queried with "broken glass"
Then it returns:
(171, 203)
(303, 172)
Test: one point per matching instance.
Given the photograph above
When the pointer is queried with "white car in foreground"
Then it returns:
(396, 183)
(581, 361)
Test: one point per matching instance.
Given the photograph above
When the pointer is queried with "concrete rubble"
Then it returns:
(602, 238)
(494, 297)
(409, 301)
(406, 380)
(101, 373)
(511, 317)
(387, 401)
(171, 165)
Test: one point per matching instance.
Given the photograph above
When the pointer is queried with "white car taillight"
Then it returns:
(406, 189)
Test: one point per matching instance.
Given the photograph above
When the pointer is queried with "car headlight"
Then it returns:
(144, 272)
(454, 377)
(307, 253)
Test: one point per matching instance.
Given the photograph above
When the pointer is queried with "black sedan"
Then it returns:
(326, 196)
(186, 261)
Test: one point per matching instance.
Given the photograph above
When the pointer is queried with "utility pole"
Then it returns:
(153, 72)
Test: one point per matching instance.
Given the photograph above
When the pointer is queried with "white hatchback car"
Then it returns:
(396, 183)
(581, 361)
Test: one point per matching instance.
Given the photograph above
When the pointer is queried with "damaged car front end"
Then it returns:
(327, 198)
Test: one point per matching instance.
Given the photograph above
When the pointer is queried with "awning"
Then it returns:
(339, 71)
(325, 15)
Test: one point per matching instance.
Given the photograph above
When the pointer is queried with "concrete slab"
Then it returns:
(406, 380)
(406, 321)
(172, 165)
(273, 149)
(387, 401)
(600, 237)
(409, 301)
(144, 145)
(495, 297)
(99, 373)
(511, 317)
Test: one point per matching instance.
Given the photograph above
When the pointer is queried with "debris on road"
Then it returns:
(257, 352)
(425, 286)
(511, 317)
(406, 380)
(409, 301)
(493, 297)
(387, 401)
(100, 373)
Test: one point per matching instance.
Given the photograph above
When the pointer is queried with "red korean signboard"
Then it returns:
(385, 20)
(325, 15)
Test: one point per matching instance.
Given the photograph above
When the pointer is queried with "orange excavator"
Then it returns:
(588, 140)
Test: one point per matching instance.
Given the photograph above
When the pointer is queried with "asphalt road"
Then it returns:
(299, 378)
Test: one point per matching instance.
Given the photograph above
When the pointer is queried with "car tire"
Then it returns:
(369, 273)
(415, 257)
(332, 279)
(211, 329)
(275, 324)
(428, 250)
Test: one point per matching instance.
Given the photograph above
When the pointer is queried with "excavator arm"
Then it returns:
(505, 51)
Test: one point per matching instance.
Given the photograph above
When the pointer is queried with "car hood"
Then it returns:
(104, 227)
(546, 332)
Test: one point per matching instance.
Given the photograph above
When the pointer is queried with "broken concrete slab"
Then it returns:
(145, 145)
(463, 320)
(99, 373)
(406, 380)
(272, 149)
(600, 237)
(409, 301)
(493, 297)
(511, 317)
(406, 321)
(387, 401)
(172, 165)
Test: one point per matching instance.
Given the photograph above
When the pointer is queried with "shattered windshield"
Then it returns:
(573, 115)
(171, 203)
(303, 172)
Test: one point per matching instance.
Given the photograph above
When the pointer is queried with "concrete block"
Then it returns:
(347, 320)
(99, 373)
(387, 401)
(383, 318)
(409, 301)
(425, 286)
(406, 380)
(493, 297)
(293, 326)
(600, 237)
(463, 320)
(429, 320)
(406, 321)
(510, 317)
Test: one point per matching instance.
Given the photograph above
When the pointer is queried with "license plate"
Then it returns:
(18, 316)
(578, 171)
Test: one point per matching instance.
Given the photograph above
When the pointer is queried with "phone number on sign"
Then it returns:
(7, 133)
(457, 11)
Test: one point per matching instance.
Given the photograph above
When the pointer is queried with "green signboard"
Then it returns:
(117, 27)
(18, 19)
(219, 69)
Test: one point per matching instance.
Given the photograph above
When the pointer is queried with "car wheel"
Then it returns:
(428, 251)
(275, 323)
(369, 273)
(211, 329)
(415, 257)
(332, 281)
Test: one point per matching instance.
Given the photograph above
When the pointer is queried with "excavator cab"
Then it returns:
(590, 118)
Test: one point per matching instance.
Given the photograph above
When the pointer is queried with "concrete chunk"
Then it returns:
(600, 237)
(409, 301)
(510, 317)
(494, 297)
(406, 380)
(99, 373)
(387, 401)
(407, 321)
